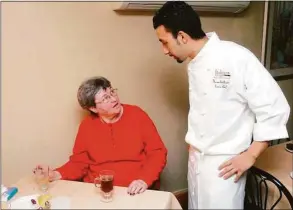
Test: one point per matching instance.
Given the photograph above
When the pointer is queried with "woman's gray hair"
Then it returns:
(89, 88)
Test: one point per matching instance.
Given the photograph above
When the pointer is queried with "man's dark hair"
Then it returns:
(178, 16)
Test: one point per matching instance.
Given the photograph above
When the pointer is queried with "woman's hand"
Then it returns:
(136, 187)
(53, 175)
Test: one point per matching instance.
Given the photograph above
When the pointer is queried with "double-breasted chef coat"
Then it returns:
(233, 99)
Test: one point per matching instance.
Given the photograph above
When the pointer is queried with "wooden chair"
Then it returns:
(257, 191)
(156, 185)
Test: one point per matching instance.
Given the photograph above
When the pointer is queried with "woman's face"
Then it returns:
(107, 103)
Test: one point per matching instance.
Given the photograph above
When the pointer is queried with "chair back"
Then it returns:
(257, 190)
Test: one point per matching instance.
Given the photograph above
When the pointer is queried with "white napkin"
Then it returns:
(3, 190)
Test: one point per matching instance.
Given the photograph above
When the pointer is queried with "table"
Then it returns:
(278, 162)
(86, 196)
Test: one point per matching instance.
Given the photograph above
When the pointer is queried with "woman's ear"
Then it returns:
(93, 109)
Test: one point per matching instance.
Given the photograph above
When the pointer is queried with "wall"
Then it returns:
(49, 48)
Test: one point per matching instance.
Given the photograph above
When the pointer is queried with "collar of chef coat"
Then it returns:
(212, 40)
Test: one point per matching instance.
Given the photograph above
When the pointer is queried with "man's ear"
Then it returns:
(93, 109)
(182, 37)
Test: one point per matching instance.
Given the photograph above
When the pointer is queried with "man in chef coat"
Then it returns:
(233, 99)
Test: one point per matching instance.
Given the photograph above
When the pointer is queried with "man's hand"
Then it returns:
(237, 165)
(136, 187)
(53, 175)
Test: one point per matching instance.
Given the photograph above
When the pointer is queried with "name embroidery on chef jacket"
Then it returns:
(221, 78)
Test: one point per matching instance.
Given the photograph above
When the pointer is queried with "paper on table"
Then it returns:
(24, 202)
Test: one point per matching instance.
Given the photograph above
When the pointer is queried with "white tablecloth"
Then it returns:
(86, 196)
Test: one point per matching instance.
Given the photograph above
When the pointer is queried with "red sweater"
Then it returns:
(131, 147)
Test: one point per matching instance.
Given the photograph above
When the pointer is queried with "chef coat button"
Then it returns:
(203, 113)
(201, 135)
(205, 93)
(208, 69)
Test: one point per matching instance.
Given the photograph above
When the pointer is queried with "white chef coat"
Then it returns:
(232, 98)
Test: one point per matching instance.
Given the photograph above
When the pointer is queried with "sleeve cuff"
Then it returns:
(61, 173)
(148, 181)
(263, 132)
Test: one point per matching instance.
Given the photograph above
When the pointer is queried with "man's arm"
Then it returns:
(77, 166)
(242, 162)
(256, 148)
(267, 101)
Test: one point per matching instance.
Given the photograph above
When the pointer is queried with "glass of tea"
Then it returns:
(105, 182)
(42, 179)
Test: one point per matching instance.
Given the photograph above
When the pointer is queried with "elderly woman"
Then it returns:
(117, 137)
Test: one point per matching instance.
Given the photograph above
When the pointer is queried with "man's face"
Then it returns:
(107, 102)
(171, 46)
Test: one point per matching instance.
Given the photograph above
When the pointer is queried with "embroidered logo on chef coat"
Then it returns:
(221, 78)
